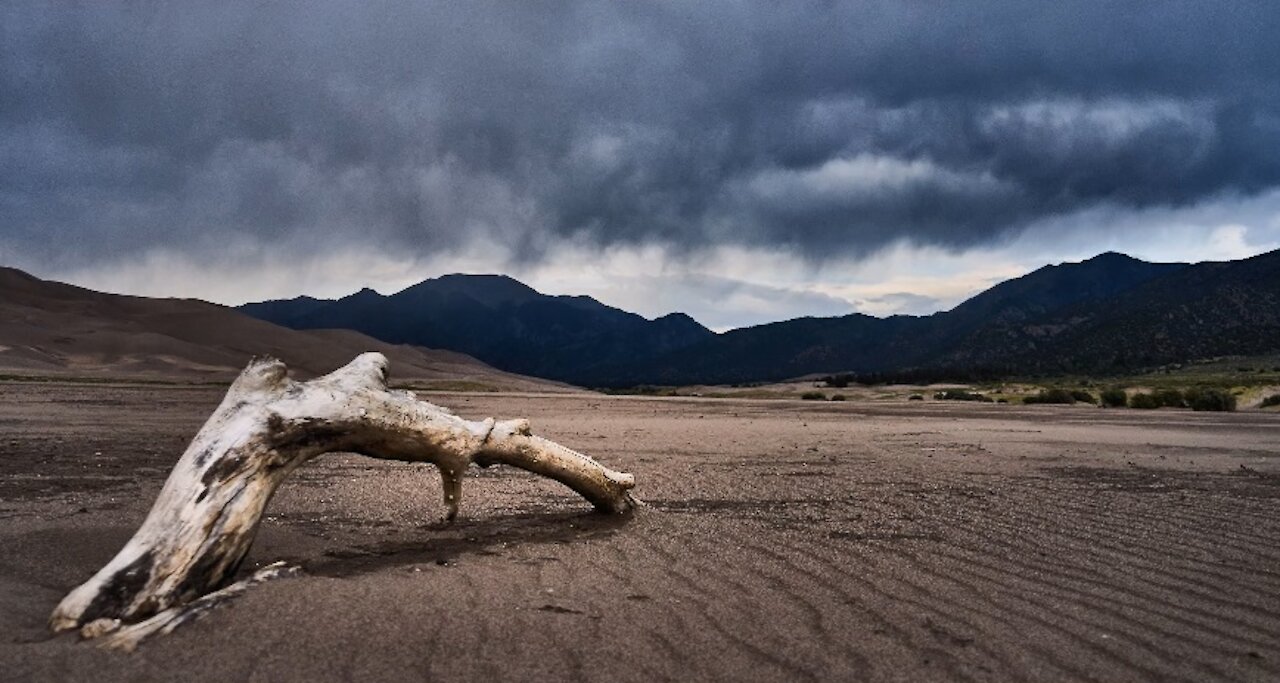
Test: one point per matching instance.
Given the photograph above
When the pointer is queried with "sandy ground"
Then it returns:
(783, 540)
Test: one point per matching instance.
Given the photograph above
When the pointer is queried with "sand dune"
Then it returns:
(783, 541)
(50, 328)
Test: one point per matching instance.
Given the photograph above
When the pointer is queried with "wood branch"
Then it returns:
(206, 516)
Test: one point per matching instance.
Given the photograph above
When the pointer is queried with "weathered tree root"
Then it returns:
(116, 635)
(202, 524)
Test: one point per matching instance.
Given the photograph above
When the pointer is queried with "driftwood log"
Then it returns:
(182, 558)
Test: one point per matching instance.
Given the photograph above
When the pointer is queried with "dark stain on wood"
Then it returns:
(306, 433)
(203, 456)
(214, 569)
(222, 470)
(118, 591)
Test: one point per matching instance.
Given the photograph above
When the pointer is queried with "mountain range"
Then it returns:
(1108, 314)
(502, 321)
(51, 329)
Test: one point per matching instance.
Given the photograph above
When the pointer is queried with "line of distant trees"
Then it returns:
(919, 376)
(1196, 398)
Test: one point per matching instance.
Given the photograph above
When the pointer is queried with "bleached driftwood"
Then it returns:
(202, 524)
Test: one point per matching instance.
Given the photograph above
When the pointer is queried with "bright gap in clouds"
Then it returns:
(724, 287)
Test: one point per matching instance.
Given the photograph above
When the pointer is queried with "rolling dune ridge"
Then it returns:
(51, 329)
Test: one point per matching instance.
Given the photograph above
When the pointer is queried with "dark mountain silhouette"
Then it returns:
(1200, 311)
(1053, 288)
(864, 344)
(499, 320)
(55, 329)
(1111, 313)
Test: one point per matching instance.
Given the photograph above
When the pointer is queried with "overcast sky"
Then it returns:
(740, 161)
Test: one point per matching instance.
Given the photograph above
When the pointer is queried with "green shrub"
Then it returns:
(1171, 398)
(1083, 396)
(813, 396)
(1272, 400)
(1114, 398)
(1210, 399)
(838, 397)
(1055, 396)
(961, 395)
(1143, 402)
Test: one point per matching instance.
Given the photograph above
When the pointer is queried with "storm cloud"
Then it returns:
(819, 128)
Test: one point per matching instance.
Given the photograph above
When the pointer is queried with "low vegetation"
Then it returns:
(1160, 398)
(641, 390)
(1143, 401)
(1061, 396)
(838, 381)
(1210, 399)
(961, 395)
(1196, 398)
(1114, 397)
(1211, 385)
(921, 376)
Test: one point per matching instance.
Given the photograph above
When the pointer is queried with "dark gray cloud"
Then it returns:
(823, 127)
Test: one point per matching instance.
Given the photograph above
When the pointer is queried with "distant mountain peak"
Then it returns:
(1113, 257)
(501, 319)
(488, 289)
(478, 277)
(365, 294)
(681, 321)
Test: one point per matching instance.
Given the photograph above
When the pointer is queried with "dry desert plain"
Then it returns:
(782, 540)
